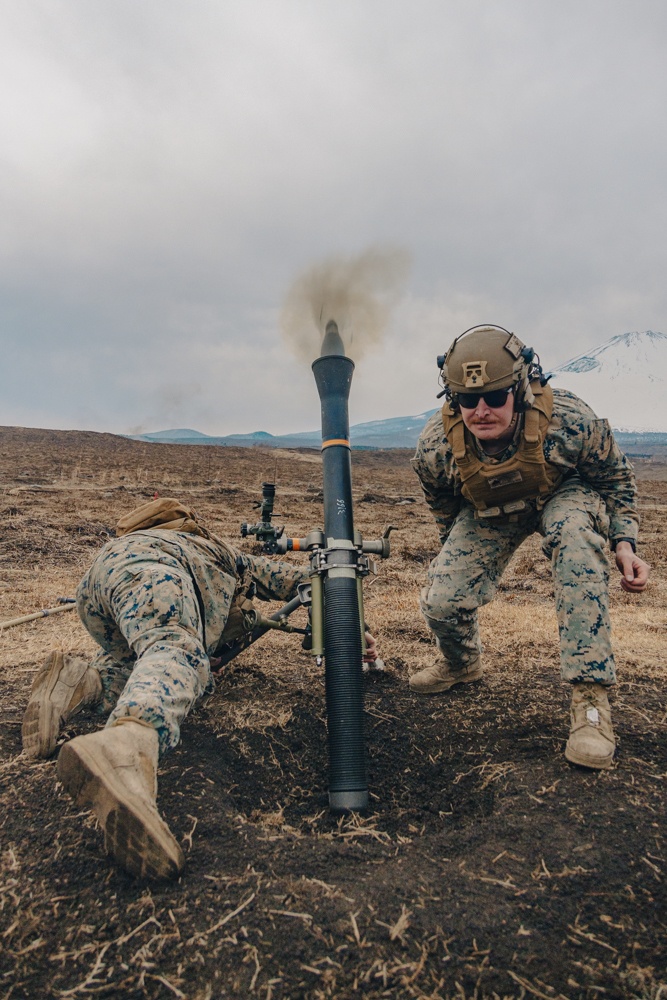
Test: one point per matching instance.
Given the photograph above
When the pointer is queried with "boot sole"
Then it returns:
(43, 717)
(594, 763)
(442, 686)
(39, 731)
(41, 722)
(136, 837)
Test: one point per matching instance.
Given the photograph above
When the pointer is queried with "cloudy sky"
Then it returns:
(168, 168)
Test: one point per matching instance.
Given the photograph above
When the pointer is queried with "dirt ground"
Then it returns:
(486, 867)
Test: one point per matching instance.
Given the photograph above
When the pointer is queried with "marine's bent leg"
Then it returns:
(157, 611)
(145, 616)
(114, 661)
(574, 525)
(463, 577)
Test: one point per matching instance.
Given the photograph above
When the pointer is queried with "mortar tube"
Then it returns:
(348, 785)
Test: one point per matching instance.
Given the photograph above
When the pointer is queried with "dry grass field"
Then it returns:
(486, 867)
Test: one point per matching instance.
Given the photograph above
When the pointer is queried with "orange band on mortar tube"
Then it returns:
(328, 444)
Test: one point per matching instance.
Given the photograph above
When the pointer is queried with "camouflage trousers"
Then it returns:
(466, 573)
(145, 617)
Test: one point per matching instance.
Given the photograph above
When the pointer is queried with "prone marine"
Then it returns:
(160, 600)
(506, 457)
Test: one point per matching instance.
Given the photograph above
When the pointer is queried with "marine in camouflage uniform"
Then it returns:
(596, 500)
(157, 603)
(159, 600)
(583, 494)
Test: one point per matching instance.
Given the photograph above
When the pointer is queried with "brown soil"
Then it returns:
(486, 867)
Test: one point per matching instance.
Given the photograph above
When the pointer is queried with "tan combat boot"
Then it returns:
(439, 676)
(591, 742)
(115, 772)
(65, 684)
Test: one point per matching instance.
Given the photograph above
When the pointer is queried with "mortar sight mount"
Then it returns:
(264, 530)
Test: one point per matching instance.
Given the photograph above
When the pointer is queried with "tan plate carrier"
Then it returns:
(503, 489)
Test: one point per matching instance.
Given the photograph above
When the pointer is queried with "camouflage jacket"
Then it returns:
(577, 442)
(212, 566)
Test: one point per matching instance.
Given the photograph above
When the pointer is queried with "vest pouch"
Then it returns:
(241, 620)
(488, 513)
(515, 480)
(501, 489)
(514, 508)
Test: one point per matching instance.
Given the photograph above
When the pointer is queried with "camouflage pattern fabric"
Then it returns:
(577, 442)
(466, 573)
(156, 602)
(596, 500)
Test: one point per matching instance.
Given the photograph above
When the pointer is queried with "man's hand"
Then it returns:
(371, 648)
(371, 660)
(633, 569)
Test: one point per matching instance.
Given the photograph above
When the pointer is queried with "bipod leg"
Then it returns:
(232, 649)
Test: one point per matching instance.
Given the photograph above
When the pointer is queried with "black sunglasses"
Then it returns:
(495, 399)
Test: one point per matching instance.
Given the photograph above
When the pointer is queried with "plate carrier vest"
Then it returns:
(503, 489)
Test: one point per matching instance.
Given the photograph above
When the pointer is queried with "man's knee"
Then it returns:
(439, 603)
(576, 520)
(575, 531)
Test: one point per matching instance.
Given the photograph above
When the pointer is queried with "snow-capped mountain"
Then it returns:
(625, 380)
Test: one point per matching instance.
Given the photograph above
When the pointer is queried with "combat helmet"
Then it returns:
(488, 357)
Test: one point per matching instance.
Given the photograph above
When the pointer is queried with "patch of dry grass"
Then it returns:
(480, 840)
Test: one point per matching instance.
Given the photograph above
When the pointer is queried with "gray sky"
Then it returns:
(168, 169)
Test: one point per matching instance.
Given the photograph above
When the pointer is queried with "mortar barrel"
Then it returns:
(348, 786)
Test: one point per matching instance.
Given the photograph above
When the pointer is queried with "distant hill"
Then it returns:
(624, 379)
(171, 437)
(396, 432)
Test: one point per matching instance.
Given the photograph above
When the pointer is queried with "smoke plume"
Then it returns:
(357, 292)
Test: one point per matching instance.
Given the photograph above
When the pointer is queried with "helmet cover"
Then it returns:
(484, 358)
